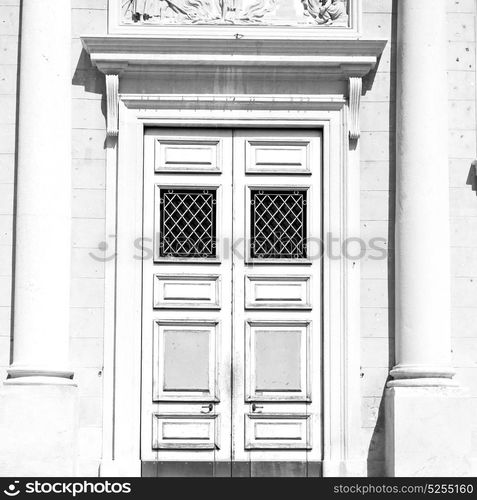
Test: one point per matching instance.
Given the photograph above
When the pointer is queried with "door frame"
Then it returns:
(342, 452)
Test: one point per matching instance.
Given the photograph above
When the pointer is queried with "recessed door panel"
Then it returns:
(277, 432)
(278, 156)
(185, 364)
(185, 432)
(277, 292)
(188, 154)
(277, 357)
(187, 291)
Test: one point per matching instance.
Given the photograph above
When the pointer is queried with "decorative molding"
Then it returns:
(341, 447)
(324, 58)
(236, 101)
(112, 98)
(235, 12)
(328, 12)
(355, 91)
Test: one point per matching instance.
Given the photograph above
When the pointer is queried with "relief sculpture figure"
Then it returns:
(327, 12)
(255, 10)
(175, 11)
(321, 12)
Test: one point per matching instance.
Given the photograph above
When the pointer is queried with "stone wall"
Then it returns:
(377, 212)
(9, 29)
(88, 211)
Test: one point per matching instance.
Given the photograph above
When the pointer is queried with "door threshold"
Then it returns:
(231, 469)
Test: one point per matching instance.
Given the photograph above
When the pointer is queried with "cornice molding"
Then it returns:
(218, 101)
(324, 59)
(330, 58)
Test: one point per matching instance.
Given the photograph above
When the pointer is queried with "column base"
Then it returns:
(428, 432)
(422, 376)
(38, 429)
(21, 373)
(345, 468)
(120, 468)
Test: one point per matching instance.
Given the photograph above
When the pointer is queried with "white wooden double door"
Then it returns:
(232, 297)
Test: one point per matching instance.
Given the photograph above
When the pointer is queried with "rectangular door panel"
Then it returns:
(186, 154)
(185, 363)
(185, 432)
(278, 156)
(277, 292)
(277, 355)
(277, 432)
(187, 291)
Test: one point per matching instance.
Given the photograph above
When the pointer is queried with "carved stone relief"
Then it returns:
(284, 12)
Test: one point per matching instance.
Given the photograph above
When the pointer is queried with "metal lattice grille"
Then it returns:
(188, 220)
(278, 224)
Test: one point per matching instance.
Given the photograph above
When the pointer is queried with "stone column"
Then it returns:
(38, 400)
(426, 416)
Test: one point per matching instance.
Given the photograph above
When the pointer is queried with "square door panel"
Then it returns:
(188, 154)
(277, 292)
(278, 361)
(279, 156)
(185, 432)
(185, 360)
(278, 432)
(186, 291)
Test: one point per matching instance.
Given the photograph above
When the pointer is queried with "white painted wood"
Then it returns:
(278, 359)
(185, 432)
(210, 390)
(279, 431)
(187, 154)
(301, 361)
(282, 156)
(187, 291)
(194, 341)
(341, 287)
(278, 292)
(185, 365)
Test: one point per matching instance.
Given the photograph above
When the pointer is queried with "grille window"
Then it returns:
(188, 223)
(278, 224)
